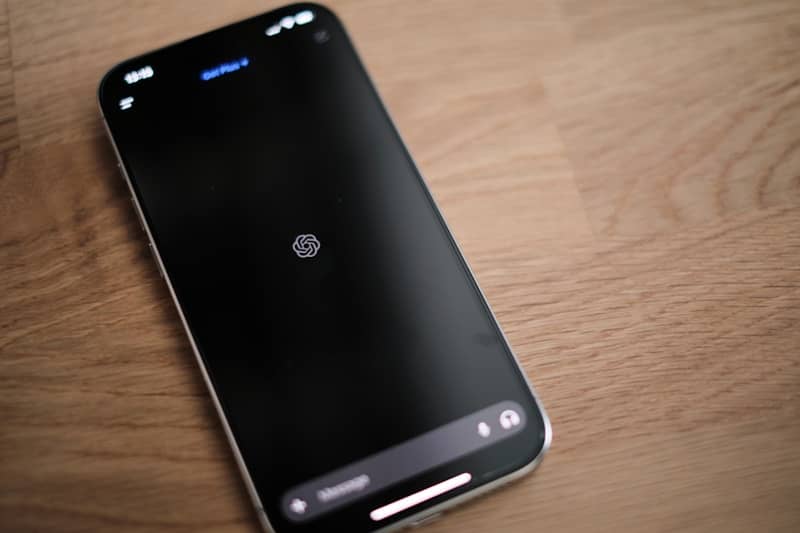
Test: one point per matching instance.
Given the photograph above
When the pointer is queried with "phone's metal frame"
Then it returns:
(251, 489)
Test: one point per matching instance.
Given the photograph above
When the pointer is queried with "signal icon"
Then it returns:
(290, 21)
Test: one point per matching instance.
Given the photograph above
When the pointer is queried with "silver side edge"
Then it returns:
(248, 481)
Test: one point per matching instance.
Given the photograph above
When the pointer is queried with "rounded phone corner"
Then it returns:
(531, 464)
(104, 81)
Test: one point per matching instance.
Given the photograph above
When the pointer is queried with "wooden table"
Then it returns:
(624, 177)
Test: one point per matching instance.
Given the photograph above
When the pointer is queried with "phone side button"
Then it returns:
(138, 214)
(155, 258)
(426, 520)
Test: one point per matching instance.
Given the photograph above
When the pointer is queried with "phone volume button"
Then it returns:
(138, 214)
(426, 519)
(155, 258)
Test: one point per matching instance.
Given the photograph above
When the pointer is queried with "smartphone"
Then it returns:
(360, 376)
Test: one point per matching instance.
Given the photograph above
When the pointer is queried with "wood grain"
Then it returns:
(680, 115)
(8, 110)
(623, 176)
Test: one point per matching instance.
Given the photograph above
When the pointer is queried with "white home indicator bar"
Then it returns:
(422, 496)
(403, 461)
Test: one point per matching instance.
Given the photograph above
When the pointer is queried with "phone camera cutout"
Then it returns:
(322, 36)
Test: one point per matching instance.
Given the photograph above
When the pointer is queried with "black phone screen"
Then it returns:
(353, 356)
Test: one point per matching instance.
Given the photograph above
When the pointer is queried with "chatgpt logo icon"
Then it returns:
(306, 245)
